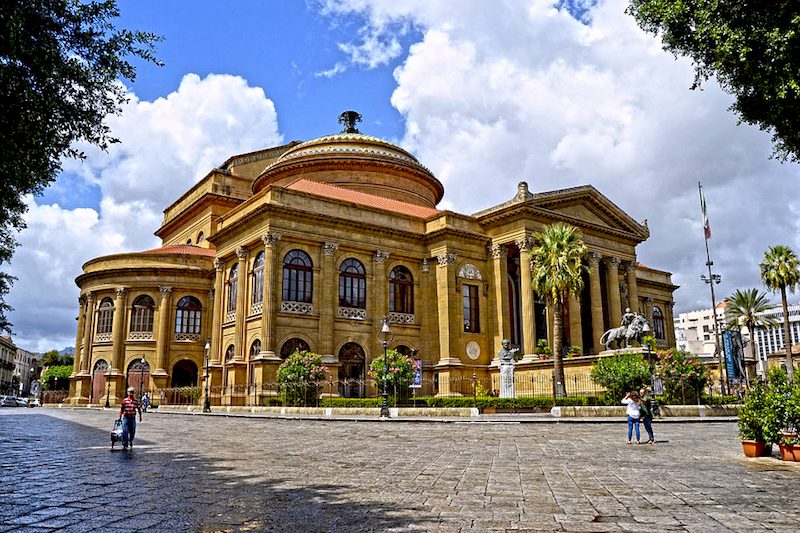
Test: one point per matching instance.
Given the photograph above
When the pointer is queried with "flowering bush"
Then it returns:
(401, 368)
(298, 377)
(683, 374)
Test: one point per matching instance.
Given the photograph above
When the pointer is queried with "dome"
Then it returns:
(355, 161)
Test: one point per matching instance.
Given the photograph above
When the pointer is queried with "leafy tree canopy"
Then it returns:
(61, 63)
(621, 373)
(753, 50)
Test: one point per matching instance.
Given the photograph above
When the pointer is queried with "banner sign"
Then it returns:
(734, 354)
(416, 379)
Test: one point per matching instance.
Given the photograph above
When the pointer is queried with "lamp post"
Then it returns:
(207, 400)
(646, 333)
(385, 337)
(710, 281)
(108, 387)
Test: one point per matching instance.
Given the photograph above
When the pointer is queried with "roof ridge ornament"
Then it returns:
(522, 192)
(349, 119)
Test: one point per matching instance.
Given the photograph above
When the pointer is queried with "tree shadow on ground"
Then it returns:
(56, 473)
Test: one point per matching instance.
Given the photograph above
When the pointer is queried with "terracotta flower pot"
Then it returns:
(787, 453)
(796, 452)
(754, 448)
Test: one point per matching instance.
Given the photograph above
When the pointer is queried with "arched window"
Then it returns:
(255, 349)
(258, 279)
(352, 284)
(105, 316)
(658, 324)
(142, 314)
(293, 345)
(297, 276)
(229, 353)
(401, 291)
(200, 237)
(233, 284)
(187, 317)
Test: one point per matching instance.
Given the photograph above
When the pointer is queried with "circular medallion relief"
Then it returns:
(473, 350)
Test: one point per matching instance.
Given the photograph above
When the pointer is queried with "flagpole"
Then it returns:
(712, 278)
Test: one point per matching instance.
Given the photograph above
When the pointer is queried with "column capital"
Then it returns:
(81, 299)
(648, 301)
(211, 293)
(270, 239)
(526, 243)
(329, 248)
(594, 259)
(241, 252)
(380, 256)
(120, 292)
(165, 291)
(219, 264)
(496, 251)
(90, 297)
(630, 267)
(426, 265)
(447, 259)
(612, 262)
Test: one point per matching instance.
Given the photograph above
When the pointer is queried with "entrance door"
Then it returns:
(139, 377)
(351, 371)
(99, 381)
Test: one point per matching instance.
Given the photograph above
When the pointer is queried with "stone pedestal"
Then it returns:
(507, 380)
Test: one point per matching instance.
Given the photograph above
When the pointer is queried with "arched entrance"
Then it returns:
(99, 381)
(351, 371)
(139, 376)
(184, 374)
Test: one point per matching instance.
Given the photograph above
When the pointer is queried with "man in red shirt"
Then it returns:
(127, 413)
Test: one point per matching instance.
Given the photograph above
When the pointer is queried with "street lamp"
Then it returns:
(108, 387)
(385, 336)
(207, 400)
(710, 281)
(141, 375)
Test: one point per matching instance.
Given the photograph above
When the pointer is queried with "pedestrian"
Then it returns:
(127, 414)
(634, 413)
(646, 406)
(145, 402)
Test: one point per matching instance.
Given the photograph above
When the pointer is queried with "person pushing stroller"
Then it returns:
(127, 414)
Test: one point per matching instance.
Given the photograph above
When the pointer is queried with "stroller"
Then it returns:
(116, 433)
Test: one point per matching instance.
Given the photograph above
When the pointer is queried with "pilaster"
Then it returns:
(118, 329)
(219, 299)
(241, 303)
(380, 291)
(328, 297)
(445, 296)
(268, 310)
(163, 338)
(76, 366)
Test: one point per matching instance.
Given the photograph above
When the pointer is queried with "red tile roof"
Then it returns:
(370, 200)
(182, 249)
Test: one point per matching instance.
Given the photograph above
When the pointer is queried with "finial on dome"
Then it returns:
(349, 119)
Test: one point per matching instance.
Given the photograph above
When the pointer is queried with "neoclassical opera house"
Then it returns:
(308, 245)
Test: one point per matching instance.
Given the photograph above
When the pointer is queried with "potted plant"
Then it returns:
(790, 450)
(543, 350)
(752, 424)
(574, 351)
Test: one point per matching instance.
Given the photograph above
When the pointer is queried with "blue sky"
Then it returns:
(558, 93)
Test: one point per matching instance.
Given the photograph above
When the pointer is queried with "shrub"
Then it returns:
(298, 377)
(620, 373)
(751, 415)
(401, 368)
(684, 375)
(543, 348)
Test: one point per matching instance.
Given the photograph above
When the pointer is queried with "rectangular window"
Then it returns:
(471, 310)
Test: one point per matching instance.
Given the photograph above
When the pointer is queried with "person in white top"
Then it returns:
(634, 413)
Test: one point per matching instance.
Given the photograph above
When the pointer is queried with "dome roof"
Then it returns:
(356, 161)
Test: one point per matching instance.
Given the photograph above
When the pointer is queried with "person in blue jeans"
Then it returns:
(634, 412)
(127, 413)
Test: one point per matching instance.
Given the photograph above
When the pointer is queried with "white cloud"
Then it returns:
(167, 145)
(498, 92)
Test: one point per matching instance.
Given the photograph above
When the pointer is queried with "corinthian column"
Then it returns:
(525, 245)
(633, 289)
(499, 255)
(268, 310)
(76, 366)
(241, 302)
(218, 310)
(445, 289)
(163, 338)
(596, 296)
(612, 286)
(117, 329)
(88, 334)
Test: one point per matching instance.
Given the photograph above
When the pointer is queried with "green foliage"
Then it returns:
(525, 402)
(543, 348)
(50, 358)
(751, 415)
(401, 368)
(574, 351)
(298, 376)
(684, 375)
(350, 402)
(749, 47)
(780, 270)
(49, 376)
(620, 374)
(62, 61)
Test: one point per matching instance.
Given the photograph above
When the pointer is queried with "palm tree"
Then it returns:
(557, 275)
(780, 271)
(743, 308)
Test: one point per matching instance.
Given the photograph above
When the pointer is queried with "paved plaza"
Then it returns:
(214, 473)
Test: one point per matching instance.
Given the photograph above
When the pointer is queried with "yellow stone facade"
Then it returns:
(252, 265)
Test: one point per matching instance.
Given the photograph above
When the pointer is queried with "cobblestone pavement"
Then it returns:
(199, 473)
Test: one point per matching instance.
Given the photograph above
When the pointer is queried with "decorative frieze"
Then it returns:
(192, 337)
(401, 318)
(297, 307)
(329, 248)
(351, 313)
(469, 271)
(447, 259)
(230, 316)
(380, 256)
(103, 337)
(256, 309)
(140, 336)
